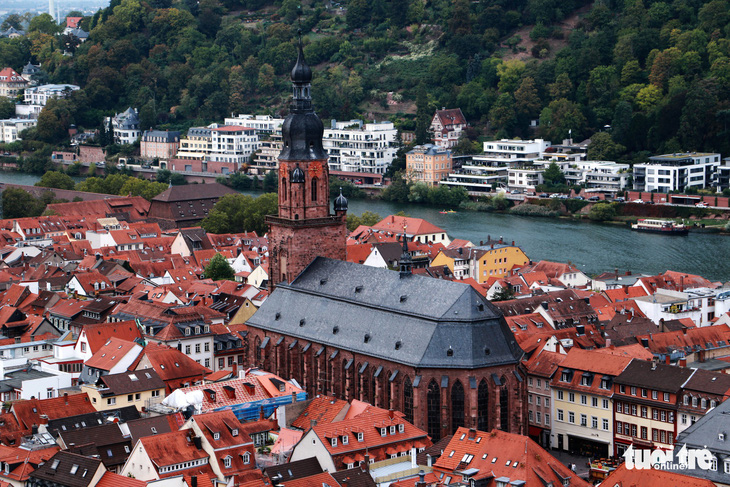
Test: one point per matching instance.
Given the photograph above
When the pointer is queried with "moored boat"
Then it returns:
(667, 227)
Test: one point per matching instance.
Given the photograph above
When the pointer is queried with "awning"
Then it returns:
(393, 375)
(293, 344)
(264, 343)
(364, 366)
(378, 371)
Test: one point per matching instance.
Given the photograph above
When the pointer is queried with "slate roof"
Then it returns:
(82, 475)
(661, 377)
(411, 320)
(130, 382)
(294, 470)
(188, 192)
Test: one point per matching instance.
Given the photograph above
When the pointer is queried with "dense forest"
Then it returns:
(650, 76)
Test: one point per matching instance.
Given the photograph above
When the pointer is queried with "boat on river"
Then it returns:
(446, 212)
(666, 227)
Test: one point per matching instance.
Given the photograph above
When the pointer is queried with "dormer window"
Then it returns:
(383, 431)
(227, 461)
(187, 331)
(345, 439)
(234, 432)
(197, 330)
(401, 428)
(359, 436)
(246, 458)
(216, 436)
(333, 442)
(392, 429)
(206, 329)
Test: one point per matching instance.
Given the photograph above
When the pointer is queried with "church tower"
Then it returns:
(304, 227)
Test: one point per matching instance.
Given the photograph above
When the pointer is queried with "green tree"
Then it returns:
(604, 148)
(357, 13)
(271, 182)
(55, 179)
(7, 108)
(553, 176)
(238, 213)
(18, 203)
(423, 115)
(504, 294)
(13, 20)
(602, 212)
(44, 24)
(219, 269)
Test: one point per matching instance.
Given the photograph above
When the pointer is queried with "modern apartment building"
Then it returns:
(356, 147)
(677, 172)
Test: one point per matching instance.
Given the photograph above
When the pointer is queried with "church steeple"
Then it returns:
(302, 130)
(304, 227)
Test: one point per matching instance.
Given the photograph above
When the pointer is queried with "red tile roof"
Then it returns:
(110, 353)
(414, 226)
(97, 335)
(171, 364)
(321, 410)
(623, 477)
(110, 479)
(173, 448)
(28, 412)
(499, 454)
(320, 479)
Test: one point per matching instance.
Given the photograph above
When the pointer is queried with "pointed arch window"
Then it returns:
(315, 182)
(433, 408)
(504, 406)
(457, 406)
(283, 189)
(483, 406)
(408, 399)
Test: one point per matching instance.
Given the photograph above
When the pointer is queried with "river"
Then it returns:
(592, 247)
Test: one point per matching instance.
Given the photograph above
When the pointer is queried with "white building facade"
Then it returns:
(677, 172)
(356, 147)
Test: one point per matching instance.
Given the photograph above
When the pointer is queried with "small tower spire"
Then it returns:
(405, 264)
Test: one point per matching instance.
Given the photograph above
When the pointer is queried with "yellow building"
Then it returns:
(140, 388)
(457, 260)
(494, 258)
(428, 164)
(582, 408)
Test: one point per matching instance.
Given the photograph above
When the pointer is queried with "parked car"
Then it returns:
(619, 199)
(594, 198)
(638, 201)
(544, 195)
(701, 204)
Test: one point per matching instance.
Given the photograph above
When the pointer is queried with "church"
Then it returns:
(435, 350)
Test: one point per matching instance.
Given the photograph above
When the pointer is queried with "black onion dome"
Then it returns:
(301, 72)
(297, 175)
(340, 202)
(302, 134)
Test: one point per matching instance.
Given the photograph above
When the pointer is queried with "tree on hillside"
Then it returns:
(604, 148)
(56, 179)
(44, 24)
(219, 269)
(423, 115)
(237, 213)
(18, 203)
(553, 176)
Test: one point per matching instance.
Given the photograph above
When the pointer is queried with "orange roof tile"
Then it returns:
(321, 410)
(623, 477)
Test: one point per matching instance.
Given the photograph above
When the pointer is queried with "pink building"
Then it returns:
(159, 144)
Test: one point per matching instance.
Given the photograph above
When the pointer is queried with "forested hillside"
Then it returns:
(657, 73)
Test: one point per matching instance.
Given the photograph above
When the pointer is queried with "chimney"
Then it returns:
(391, 413)
(626, 290)
(683, 362)
(198, 442)
(481, 242)
(513, 243)
(421, 479)
(65, 398)
(366, 462)
(193, 481)
(501, 240)
(667, 361)
(34, 429)
(261, 413)
(293, 397)
(608, 343)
